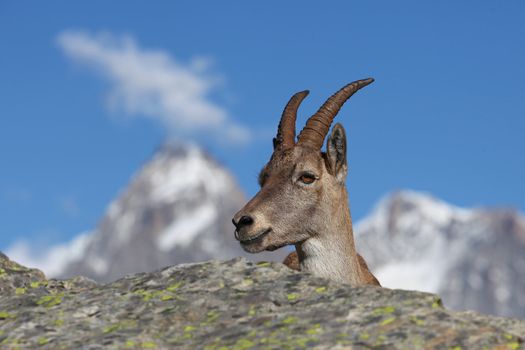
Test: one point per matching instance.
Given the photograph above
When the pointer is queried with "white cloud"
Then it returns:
(51, 260)
(152, 84)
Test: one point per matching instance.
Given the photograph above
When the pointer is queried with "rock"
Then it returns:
(14, 277)
(233, 304)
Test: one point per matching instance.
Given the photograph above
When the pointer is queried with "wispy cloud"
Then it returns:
(153, 84)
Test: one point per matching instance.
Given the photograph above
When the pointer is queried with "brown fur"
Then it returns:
(292, 261)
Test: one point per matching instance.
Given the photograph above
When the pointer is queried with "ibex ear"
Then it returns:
(336, 153)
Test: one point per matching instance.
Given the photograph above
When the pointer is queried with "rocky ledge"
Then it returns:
(232, 305)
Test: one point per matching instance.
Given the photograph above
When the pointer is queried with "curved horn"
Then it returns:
(286, 131)
(317, 126)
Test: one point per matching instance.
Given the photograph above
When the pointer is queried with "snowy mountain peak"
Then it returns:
(418, 204)
(474, 258)
(178, 170)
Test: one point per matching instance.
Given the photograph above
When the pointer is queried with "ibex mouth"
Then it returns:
(256, 238)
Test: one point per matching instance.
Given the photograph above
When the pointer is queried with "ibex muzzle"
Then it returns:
(303, 199)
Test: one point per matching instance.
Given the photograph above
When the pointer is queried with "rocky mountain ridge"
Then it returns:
(232, 305)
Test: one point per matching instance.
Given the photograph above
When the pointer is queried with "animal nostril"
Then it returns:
(245, 221)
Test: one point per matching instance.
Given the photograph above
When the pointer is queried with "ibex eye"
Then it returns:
(307, 178)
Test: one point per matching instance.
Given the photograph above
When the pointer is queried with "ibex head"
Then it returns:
(302, 188)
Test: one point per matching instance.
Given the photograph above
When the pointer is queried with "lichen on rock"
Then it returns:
(232, 305)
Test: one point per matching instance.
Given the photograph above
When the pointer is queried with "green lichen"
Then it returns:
(388, 321)
(384, 310)
(59, 323)
(247, 282)
(166, 297)
(263, 264)
(215, 345)
(301, 343)
(251, 311)
(173, 287)
(290, 320)
(320, 289)
(149, 345)
(380, 340)
(211, 317)
(111, 328)
(364, 336)
(5, 315)
(316, 329)
(124, 324)
(145, 294)
(188, 332)
(148, 295)
(129, 343)
(436, 303)
(292, 296)
(36, 284)
(513, 345)
(50, 300)
(243, 344)
(2, 272)
(418, 321)
(13, 342)
(43, 341)
(269, 341)
(20, 291)
(189, 328)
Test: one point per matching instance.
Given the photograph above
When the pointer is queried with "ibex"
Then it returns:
(303, 199)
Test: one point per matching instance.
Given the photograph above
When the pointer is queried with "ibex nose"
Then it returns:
(245, 220)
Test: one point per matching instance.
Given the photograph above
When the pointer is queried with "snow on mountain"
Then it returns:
(474, 258)
(178, 208)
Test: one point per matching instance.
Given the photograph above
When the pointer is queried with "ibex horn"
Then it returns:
(286, 131)
(318, 125)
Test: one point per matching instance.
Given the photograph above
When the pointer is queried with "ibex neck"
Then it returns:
(331, 253)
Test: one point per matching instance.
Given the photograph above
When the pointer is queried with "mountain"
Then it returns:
(177, 209)
(473, 258)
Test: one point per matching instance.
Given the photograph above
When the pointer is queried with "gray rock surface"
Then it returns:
(232, 304)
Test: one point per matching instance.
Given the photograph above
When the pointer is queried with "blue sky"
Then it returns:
(446, 114)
